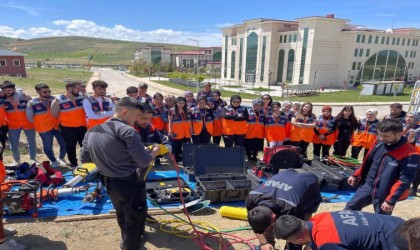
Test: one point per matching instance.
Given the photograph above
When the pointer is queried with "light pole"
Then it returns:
(348, 79)
(315, 72)
(269, 79)
(198, 51)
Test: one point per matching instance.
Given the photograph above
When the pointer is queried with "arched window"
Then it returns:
(156, 57)
(217, 56)
(232, 64)
(290, 62)
(251, 55)
(386, 65)
(280, 64)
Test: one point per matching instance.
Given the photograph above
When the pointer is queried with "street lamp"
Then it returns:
(348, 79)
(315, 72)
(269, 79)
(198, 51)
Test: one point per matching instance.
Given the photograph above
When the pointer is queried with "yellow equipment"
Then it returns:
(239, 213)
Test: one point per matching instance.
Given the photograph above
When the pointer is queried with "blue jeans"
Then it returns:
(14, 136)
(47, 144)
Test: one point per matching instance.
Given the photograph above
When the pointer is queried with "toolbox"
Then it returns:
(346, 172)
(221, 174)
(330, 181)
(166, 191)
(187, 157)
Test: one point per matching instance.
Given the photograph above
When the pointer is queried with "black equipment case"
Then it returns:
(329, 180)
(188, 158)
(339, 170)
(166, 190)
(221, 174)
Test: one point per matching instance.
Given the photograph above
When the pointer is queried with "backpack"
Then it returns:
(26, 171)
(49, 176)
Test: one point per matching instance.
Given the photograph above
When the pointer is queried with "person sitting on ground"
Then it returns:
(288, 192)
(132, 92)
(343, 230)
(396, 112)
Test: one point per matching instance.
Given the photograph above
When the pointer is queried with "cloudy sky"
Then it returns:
(172, 21)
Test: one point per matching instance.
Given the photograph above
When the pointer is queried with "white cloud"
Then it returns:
(117, 32)
(223, 25)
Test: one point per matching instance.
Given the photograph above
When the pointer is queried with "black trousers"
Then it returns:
(217, 139)
(229, 140)
(325, 149)
(177, 147)
(341, 146)
(203, 137)
(253, 146)
(129, 200)
(303, 145)
(3, 136)
(72, 136)
(362, 198)
(355, 151)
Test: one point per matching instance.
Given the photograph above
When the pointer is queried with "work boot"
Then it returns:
(11, 244)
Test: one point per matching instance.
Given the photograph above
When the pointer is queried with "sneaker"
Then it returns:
(62, 163)
(55, 164)
(11, 244)
(32, 161)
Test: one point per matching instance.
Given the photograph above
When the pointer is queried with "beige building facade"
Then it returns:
(318, 51)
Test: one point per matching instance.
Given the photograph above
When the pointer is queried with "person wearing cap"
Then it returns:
(254, 138)
(396, 112)
(287, 192)
(412, 133)
(15, 108)
(191, 101)
(98, 107)
(325, 135)
(38, 112)
(234, 122)
(342, 230)
(365, 135)
(206, 92)
(68, 108)
(3, 126)
(142, 96)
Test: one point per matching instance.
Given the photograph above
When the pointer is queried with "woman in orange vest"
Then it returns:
(157, 106)
(288, 110)
(365, 135)
(191, 101)
(217, 122)
(217, 100)
(179, 126)
(202, 119)
(325, 135)
(254, 139)
(234, 122)
(301, 132)
(275, 126)
(267, 102)
(412, 132)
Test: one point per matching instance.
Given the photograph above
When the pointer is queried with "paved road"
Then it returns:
(118, 82)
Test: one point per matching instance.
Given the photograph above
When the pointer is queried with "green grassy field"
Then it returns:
(53, 77)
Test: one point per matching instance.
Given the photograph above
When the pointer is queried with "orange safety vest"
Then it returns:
(198, 120)
(96, 107)
(288, 126)
(157, 119)
(181, 125)
(417, 145)
(217, 123)
(72, 114)
(323, 126)
(302, 134)
(365, 135)
(232, 127)
(255, 125)
(2, 173)
(16, 115)
(3, 121)
(43, 119)
(275, 127)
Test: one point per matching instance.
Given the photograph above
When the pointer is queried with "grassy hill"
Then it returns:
(74, 49)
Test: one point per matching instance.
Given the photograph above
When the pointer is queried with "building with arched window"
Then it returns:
(319, 51)
(154, 55)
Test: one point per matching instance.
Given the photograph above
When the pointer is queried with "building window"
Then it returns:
(408, 42)
(387, 41)
(353, 67)
(398, 41)
(415, 52)
(281, 38)
(403, 42)
(406, 53)
(233, 41)
(411, 54)
(285, 38)
(3, 63)
(290, 62)
(303, 58)
(383, 40)
(385, 65)
(294, 38)
(367, 52)
(156, 57)
(16, 62)
(264, 45)
(232, 64)
(358, 38)
(241, 46)
(360, 52)
(356, 52)
(376, 39)
(251, 57)
(359, 65)
(393, 41)
(280, 65)
(290, 38)
(363, 38)
(370, 39)
(412, 65)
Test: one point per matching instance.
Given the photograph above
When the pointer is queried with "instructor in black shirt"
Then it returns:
(118, 153)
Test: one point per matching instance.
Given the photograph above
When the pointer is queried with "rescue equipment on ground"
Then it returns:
(239, 213)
